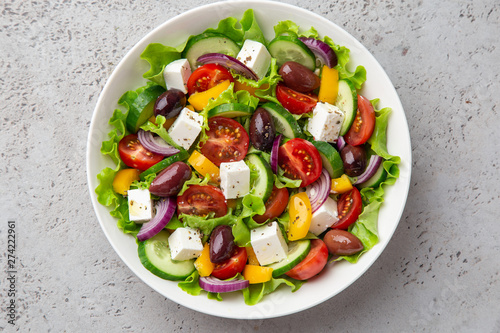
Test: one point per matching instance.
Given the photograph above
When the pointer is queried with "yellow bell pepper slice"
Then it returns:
(300, 216)
(123, 179)
(200, 99)
(203, 264)
(190, 107)
(257, 274)
(204, 166)
(329, 86)
(341, 185)
(252, 257)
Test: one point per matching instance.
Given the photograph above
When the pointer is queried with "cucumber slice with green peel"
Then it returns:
(142, 108)
(297, 251)
(284, 122)
(289, 48)
(208, 42)
(180, 156)
(263, 185)
(154, 254)
(332, 161)
(231, 110)
(378, 177)
(347, 101)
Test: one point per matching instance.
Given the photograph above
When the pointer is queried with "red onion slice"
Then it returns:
(274, 153)
(340, 143)
(228, 62)
(214, 285)
(155, 144)
(165, 209)
(322, 50)
(370, 170)
(319, 191)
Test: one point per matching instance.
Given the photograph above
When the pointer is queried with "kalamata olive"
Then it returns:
(262, 131)
(298, 77)
(169, 182)
(221, 244)
(354, 159)
(342, 243)
(170, 103)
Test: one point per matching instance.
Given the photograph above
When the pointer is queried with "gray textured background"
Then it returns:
(440, 272)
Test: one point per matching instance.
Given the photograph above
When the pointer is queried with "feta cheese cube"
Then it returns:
(324, 217)
(326, 122)
(140, 206)
(185, 244)
(255, 56)
(268, 243)
(176, 74)
(234, 179)
(186, 128)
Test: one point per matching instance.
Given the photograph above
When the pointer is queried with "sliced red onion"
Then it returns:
(165, 209)
(319, 191)
(214, 285)
(340, 143)
(155, 144)
(228, 62)
(274, 153)
(370, 170)
(321, 50)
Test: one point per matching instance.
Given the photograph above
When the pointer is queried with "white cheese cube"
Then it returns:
(140, 206)
(176, 74)
(186, 128)
(185, 244)
(326, 122)
(324, 217)
(234, 179)
(268, 243)
(255, 56)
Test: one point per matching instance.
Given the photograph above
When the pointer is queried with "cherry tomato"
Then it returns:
(232, 266)
(300, 160)
(275, 205)
(134, 155)
(349, 207)
(227, 141)
(206, 77)
(295, 102)
(362, 127)
(313, 263)
(202, 199)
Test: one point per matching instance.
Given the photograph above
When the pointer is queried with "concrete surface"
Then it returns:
(440, 272)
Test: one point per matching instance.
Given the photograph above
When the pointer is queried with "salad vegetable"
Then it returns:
(244, 164)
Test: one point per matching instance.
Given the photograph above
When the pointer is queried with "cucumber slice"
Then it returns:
(297, 251)
(375, 180)
(208, 42)
(231, 110)
(288, 48)
(284, 122)
(332, 161)
(180, 156)
(154, 254)
(142, 107)
(263, 185)
(347, 101)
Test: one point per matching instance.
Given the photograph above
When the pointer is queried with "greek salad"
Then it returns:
(246, 163)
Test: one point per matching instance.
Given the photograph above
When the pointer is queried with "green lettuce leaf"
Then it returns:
(255, 292)
(191, 285)
(160, 130)
(251, 28)
(110, 146)
(194, 180)
(158, 56)
(288, 28)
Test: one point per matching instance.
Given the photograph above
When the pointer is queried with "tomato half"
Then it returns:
(313, 263)
(300, 160)
(232, 266)
(227, 141)
(362, 127)
(206, 77)
(295, 102)
(349, 207)
(134, 155)
(275, 205)
(202, 199)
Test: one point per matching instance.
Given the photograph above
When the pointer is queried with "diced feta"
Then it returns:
(186, 128)
(140, 206)
(255, 56)
(234, 179)
(176, 74)
(324, 217)
(326, 122)
(185, 244)
(268, 243)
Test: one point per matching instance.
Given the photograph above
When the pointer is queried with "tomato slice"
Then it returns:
(362, 127)
(300, 160)
(349, 207)
(275, 205)
(227, 141)
(295, 102)
(206, 77)
(313, 263)
(134, 155)
(232, 266)
(202, 199)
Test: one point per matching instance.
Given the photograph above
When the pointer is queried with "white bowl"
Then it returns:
(128, 76)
